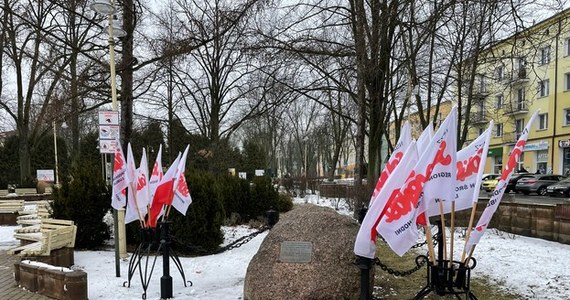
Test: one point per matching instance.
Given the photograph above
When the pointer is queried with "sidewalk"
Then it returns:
(8, 288)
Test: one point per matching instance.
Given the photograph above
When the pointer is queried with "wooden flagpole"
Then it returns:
(444, 239)
(429, 243)
(134, 194)
(469, 228)
(452, 237)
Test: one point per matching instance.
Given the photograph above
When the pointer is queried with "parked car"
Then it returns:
(561, 188)
(536, 183)
(491, 180)
(513, 181)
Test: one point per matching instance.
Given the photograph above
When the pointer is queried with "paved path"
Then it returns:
(8, 288)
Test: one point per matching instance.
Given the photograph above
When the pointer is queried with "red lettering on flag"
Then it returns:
(182, 186)
(513, 160)
(469, 166)
(407, 199)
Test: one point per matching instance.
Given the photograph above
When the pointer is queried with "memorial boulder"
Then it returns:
(307, 255)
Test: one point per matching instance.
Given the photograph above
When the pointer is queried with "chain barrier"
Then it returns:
(421, 260)
(235, 244)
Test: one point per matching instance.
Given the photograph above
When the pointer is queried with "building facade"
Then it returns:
(524, 73)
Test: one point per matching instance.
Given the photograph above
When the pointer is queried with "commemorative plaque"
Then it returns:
(296, 252)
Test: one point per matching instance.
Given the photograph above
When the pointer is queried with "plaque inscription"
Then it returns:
(296, 252)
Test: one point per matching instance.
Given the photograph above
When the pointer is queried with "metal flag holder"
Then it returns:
(448, 278)
(155, 243)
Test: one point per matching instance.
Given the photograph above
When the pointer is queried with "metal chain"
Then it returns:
(241, 241)
(420, 262)
(235, 244)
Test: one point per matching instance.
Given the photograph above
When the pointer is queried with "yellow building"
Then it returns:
(527, 72)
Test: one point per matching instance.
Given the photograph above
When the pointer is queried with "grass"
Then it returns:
(390, 287)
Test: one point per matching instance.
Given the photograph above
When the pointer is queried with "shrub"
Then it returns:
(235, 195)
(284, 203)
(85, 199)
(263, 196)
(201, 226)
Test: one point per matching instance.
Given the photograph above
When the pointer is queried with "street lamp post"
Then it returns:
(55, 153)
(107, 7)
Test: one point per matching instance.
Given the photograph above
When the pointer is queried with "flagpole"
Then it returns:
(134, 194)
(429, 241)
(469, 228)
(452, 232)
(444, 238)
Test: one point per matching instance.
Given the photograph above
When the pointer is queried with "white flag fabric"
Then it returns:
(182, 199)
(120, 179)
(131, 214)
(435, 167)
(425, 137)
(497, 194)
(156, 174)
(143, 195)
(401, 146)
(470, 168)
(365, 244)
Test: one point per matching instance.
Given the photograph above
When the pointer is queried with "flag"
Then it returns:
(500, 188)
(365, 244)
(436, 169)
(470, 168)
(401, 146)
(120, 179)
(164, 193)
(182, 198)
(425, 137)
(156, 174)
(131, 213)
(143, 195)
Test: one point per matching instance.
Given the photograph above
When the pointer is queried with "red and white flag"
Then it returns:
(470, 168)
(182, 197)
(497, 194)
(435, 169)
(131, 213)
(365, 244)
(164, 193)
(401, 146)
(120, 179)
(143, 194)
(156, 174)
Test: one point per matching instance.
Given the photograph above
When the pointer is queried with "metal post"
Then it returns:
(365, 264)
(166, 279)
(116, 232)
(55, 153)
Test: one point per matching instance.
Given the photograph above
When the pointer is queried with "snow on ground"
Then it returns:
(534, 268)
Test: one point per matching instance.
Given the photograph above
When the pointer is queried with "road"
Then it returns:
(529, 199)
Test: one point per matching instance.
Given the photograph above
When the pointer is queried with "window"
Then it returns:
(542, 121)
(567, 82)
(543, 88)
(500, 100)
(567, 116)
(519, 127)
(500, 73)
(567, 47)
(499, 129)
(498, 168)
(482, 87)
(481, 130)
(520, 163)
(545, 55)
(520, 99)
(542, 162)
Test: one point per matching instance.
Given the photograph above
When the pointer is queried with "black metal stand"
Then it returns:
(448, 278)
(365, 264)
(151, 245)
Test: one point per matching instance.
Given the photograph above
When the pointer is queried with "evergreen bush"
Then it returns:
(284, 202)
(201, 227)
(235, 195)
(264, 196)
(84, 198)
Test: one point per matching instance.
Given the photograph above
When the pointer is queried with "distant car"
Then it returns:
(492, 178)
(489, 184)
(513, 181)
(536, 183)
(561, 188)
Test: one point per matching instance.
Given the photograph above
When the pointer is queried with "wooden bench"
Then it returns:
(11, 206)
(53, 234)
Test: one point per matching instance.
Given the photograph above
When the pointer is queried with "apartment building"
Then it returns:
(526, 72)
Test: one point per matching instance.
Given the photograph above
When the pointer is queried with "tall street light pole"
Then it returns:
(107, 7)
(55, 153)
